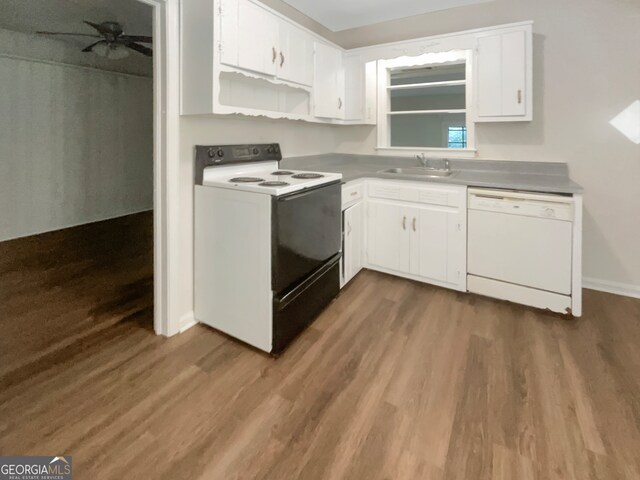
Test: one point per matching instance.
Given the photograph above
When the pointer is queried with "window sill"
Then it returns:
(428, 152)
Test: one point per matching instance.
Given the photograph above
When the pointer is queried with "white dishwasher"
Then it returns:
(520, 247)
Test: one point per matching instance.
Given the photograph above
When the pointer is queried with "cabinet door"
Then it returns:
(353, 241)
(360, 90)
(503, 64)
(257, 38)
(437, 244)
(328, 81)
(388, 236)
(228, 47)
(513, 73)
(295, 54)
(429, 243)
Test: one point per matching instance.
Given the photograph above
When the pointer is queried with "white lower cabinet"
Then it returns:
(421, 240)
(387, 235)
(353, 247)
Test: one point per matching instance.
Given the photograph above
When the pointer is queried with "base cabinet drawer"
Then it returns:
(352, 193)
(444, 195)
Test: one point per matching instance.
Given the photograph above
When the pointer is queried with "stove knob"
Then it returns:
(271, 150)
(220, 153)
(277, 150)
(211, 152)
(255, 151)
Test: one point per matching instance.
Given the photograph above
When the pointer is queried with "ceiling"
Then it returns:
(29, 16)
(339, 15)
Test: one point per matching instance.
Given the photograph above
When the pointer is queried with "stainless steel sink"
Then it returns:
(424, 172)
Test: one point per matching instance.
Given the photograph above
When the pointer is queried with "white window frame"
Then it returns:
(385, 67)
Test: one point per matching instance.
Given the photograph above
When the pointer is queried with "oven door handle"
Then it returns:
(305, 192)
(282, 302)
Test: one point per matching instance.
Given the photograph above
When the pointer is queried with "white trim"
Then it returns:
(166, 88)
(429, 152)
(426, 112)
(187, 321)
(576, 257)
(617, 288)
(448, 57)
(73, 65)
(417, 86)
(441, 36)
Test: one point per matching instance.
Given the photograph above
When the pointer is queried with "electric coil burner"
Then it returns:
(282, 172)
(307, 176)
(246, 180)
(273, 183)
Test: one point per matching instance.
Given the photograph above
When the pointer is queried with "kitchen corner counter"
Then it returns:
(527, 176)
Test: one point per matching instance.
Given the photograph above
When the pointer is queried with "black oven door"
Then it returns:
(306, 232)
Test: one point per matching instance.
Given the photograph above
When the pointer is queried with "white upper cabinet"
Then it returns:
(328, 81)
(241, 57)
(360, 90)
(254, 39)
(295, 54)
(258, 40)
(504, 76)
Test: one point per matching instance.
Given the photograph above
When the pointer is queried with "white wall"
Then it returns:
(76, 143)
(586, 70)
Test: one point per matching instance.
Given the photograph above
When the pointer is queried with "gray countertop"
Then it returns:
(528, 176)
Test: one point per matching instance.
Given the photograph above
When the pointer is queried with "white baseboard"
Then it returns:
(617, 288)
(187, 321)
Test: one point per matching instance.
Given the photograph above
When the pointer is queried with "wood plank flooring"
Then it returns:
(395, 380)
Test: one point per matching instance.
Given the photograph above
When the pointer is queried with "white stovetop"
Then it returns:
(221, 177)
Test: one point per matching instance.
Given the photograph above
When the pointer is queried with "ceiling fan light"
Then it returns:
(113, 51)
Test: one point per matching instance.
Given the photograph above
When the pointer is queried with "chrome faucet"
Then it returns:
(422, 158)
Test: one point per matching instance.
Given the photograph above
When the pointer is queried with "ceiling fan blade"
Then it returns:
(136, 38)
(139, 48)
(90, 47)
(64, 33)
(94, 25)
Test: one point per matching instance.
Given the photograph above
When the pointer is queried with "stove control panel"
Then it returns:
(212, 155)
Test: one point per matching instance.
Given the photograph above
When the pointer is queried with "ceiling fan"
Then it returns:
(113, 43)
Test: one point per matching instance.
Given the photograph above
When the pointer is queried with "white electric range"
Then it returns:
(267, 244)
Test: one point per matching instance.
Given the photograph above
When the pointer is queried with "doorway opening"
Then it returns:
(82, 169)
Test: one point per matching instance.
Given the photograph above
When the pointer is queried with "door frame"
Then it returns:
(166, 128)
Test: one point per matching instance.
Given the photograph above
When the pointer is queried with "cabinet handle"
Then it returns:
(519, 97)
(339, 103)
(348, 228)
(404, 223)
(353, 194)
(274, 54)
(281, 59)
(414, 224)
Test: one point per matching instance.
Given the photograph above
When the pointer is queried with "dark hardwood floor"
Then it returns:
(395, 380)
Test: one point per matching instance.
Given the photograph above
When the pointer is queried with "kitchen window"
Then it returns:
(457, 137)
(424, 103)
